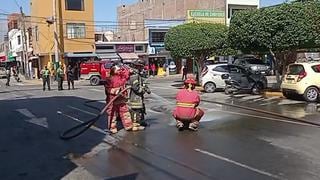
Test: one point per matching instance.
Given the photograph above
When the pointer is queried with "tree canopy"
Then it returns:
(277, 29)
(196, 40)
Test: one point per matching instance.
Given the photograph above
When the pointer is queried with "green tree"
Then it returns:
(287, 27)
(196, 41)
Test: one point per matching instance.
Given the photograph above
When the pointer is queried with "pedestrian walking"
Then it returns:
(8, 73)
(153, 69)
(60, 74)
(16, 73)
(184, 73)
(70, 77)
(45, 74)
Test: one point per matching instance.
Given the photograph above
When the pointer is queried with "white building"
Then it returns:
(235, 5)
(16, 46)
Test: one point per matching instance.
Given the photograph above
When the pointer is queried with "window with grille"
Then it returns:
(76, 30)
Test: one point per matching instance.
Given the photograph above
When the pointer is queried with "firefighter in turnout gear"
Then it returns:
(45, 74)
(187, 113)
(114, 85)
(136, 96)
(60, 74)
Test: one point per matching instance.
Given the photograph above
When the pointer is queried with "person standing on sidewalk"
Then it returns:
(60, 74)
(45, 74)
(8, 73)
(184, 73)
(153, 69)
(70, 77)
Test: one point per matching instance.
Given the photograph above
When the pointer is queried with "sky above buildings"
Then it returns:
(104, 9)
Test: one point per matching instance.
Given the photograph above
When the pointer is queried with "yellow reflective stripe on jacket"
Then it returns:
(181, 104)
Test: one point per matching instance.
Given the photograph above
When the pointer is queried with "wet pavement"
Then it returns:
(231, 143)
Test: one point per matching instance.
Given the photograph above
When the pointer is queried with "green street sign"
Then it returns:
(206, 14)
(10, 57)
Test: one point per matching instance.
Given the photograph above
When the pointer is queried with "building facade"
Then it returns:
(149, 20)
(131, 18)
(75, 31)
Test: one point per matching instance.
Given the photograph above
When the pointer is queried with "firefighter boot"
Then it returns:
(137, 127)
(180, 125)
(194, 126)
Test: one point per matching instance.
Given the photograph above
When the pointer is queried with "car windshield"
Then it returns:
(255, 61)
(295, 69)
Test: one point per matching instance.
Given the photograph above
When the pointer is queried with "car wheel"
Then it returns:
(95, 80)
(311, 94)
(257, 89)
(209, 87)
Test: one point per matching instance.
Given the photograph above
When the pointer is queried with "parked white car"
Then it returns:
(211, 77)
(302, 79)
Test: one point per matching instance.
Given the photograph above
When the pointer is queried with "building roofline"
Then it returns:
(122, 42)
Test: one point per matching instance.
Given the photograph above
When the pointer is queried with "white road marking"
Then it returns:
(237, 163)
(33, 119)
(97, 90)
(81, 110)
(262, 117)
(78, 120)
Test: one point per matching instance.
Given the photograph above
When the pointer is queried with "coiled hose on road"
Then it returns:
(81, 128)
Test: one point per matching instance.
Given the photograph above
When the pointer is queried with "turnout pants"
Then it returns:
(45, 81)
(70, 81)
(121, 110)
(60, 82)
(194, 121)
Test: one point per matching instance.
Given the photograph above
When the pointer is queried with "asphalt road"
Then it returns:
(231, 143)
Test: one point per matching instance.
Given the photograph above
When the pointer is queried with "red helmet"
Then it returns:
(190, 81)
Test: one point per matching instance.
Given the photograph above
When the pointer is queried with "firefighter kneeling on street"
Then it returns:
(187, 113)
(114, 85)
(136, 96)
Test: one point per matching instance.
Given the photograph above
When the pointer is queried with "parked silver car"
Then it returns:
(254, 65)
(3, 73)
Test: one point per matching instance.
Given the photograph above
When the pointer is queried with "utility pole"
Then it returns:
(55, 36)
(26, 67)
(61, 29)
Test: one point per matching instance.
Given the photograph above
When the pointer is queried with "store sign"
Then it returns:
(3, 58)
(125, 48)
(209, 16)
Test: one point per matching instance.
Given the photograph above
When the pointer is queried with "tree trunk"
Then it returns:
(276, 65)
(200, 62)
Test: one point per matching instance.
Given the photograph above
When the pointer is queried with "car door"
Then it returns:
(217, 73)
(240, 75)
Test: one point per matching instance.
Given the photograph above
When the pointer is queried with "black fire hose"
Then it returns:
(81, 128)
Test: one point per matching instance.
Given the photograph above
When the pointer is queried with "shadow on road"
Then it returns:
(29, 150)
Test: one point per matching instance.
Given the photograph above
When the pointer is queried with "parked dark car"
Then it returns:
(241, 80)
(253, 64)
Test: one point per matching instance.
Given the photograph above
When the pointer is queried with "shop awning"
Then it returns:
(128, 56)
(108, 56)
(80, 55)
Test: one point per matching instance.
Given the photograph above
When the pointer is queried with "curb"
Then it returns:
(273, 94)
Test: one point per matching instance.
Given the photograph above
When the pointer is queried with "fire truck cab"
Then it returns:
(95, 71)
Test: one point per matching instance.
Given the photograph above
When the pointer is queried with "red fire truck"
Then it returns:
(95, 71)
